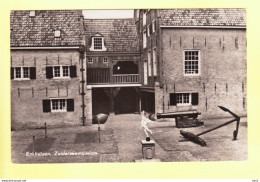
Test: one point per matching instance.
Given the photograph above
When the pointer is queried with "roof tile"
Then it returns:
(203, 17)
(119, 34)
(39, 30)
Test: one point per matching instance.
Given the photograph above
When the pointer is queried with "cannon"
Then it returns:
(183, 119)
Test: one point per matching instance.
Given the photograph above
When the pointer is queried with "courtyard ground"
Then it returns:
(120, 140)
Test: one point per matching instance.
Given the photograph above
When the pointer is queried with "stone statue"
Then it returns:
(144, 123)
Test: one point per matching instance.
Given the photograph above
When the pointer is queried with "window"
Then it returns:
(58, 105)
(144, 39)
(98, 43)
(153, 26)
(90, 60)
(149, 64)
(18, 72)
(61, 72)
(23, 73)
(182, 99)
(154, 62)
(148, 30)
(105, 60)
(65, 71)
(57, 71)
(191, 63)
(137, 14)
(145, 73)
(57, 33)
(144, 18)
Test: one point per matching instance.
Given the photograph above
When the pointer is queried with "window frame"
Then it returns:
(91, 61)
(98, 36)
(144, 39)
(105, 62)
(182, 95)
(61, 71)
(59, 102)
(148, 31)
(153, 26)
(22, 73)
(145, 72)
(154, 53)
(144, 18)
(149, 62)
(199, 63)
(193, 99)
(97, 43)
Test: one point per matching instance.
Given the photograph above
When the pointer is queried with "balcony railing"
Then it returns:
(102, 76)
(126, 78)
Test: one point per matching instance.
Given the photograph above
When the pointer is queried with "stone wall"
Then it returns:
(222, 80)
(27, 95)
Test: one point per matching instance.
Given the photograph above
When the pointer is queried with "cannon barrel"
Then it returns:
(190, 114)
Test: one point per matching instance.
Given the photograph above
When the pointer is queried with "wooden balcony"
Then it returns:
(104, 76)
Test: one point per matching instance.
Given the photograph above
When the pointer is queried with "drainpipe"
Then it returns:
(82, 51)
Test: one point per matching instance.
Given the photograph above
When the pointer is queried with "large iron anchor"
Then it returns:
(197, 139)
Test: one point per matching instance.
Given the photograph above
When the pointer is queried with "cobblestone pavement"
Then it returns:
(120, 140)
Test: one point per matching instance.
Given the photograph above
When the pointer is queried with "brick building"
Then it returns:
(193, 59)
(45, 68)
(65, 69)
(113, 59)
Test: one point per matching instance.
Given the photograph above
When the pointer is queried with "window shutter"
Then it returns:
(49, 72)
(70, 104)
(150, 29)
(32, 73)
(173, 99)
(12, 73)
(195, 98)
(46, 105)
(73, 71)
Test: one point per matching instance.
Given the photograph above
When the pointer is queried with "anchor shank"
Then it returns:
(219, 126)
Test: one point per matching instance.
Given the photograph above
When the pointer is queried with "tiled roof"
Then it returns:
(119, 34)
(203, 17)
(39, 30)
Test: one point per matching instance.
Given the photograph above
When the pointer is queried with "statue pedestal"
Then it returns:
(148, 149)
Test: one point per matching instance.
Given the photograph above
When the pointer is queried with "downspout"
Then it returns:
(82, 86)
(82, 70)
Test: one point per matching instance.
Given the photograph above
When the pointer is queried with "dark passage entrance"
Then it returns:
(100, 101)
(148, 102)
(126, 101)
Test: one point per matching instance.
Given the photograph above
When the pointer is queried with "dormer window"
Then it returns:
(57, 33)
(97, 43)
(32, 14)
